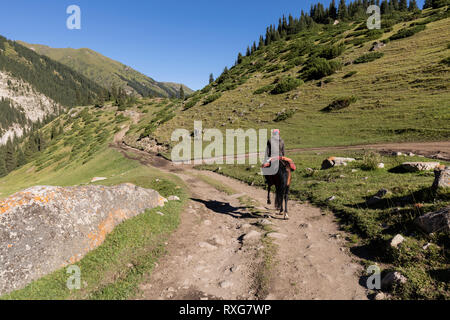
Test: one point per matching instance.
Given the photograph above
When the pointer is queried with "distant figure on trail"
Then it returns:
(272, 144)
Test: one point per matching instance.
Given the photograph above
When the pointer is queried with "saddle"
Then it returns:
(288, 160)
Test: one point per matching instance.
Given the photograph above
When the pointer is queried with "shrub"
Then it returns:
(339, 104)
(407, 32)
(371, 161)
(212, 98)
(317, 68)
(446, 61)
(263, 89)
(192, 103)
(331, 52)
(350, 74)
(284, 115)
(369, 57)
(285, 85)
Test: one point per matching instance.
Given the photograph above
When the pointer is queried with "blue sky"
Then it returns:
(179, 41)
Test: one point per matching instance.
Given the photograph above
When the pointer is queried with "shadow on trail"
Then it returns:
(225, 208)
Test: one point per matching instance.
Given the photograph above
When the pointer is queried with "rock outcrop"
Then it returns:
(335, 162)
(442, 178)
(43, 229)
(435, 221)
(419, 166)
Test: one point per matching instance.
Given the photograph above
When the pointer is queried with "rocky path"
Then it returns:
(219, 248)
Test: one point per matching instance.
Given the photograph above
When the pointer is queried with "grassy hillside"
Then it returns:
(397, 93)
(115, 269)
(46, 76)
(108, 72)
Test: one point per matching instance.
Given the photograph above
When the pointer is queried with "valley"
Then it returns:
(364, 114)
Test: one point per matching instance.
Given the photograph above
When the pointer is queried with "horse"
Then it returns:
(282, 182)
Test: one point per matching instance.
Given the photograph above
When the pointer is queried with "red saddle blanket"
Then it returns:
(290, 161)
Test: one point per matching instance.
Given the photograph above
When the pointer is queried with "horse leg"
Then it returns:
(269, 186)
(286, 198)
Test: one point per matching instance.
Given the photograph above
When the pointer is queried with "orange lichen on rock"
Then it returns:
(106, 227)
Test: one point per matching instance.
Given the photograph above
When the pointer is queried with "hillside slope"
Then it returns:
(399, 92)
(104, 70)
(34, 88)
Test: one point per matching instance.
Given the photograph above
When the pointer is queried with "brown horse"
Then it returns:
(282, 182)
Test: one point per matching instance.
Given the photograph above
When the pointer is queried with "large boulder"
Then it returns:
(335, 162)
(435, 221)
(419, 166)
(43, 229)
(442, 177)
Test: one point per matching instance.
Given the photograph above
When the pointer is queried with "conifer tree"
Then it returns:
(181, 93)
(403, 5)
(413, 5)
(342, 10)
(10, 157)
(211, 78)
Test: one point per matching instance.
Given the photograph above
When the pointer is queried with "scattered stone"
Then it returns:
(397, 240)
(392, 278)
(441, 178)
(419, 166)
(160, 213)
(380, 296)
(438, 221)
(398, 154)
(342, 176)
(377, 46)
(207, 246)
(98, 179)
(173, 198)
(217, 240)
(234, 268)
(245, 226)
(411, 154)
(335, 162)
(278, 236)
(381, 166)
(225, 284)
(265, 222)
(252, 235)
(354, 170)
(305, 225)
(331, 198)
(425, 247)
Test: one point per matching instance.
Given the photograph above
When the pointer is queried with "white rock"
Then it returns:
(275, 235)
(173, 198)
(252, 235)
(225, 284)
(160, 213)
(381, 166)
(207, 246)
(391, 278)
(397, 240)
(98, 179)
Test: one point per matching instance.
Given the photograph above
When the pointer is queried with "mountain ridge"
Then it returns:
(105, 70)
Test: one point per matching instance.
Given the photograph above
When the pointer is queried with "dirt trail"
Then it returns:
(208, 257)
